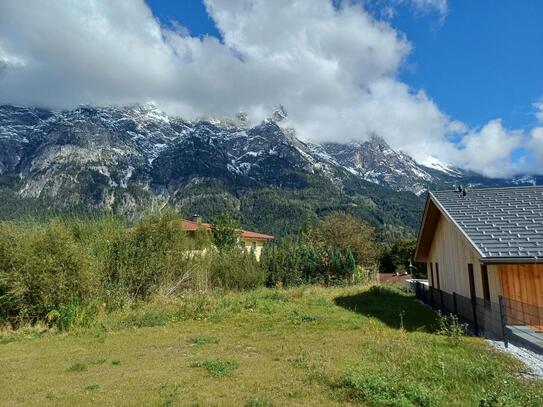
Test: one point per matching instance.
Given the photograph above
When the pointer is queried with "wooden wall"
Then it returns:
(523, 283)
(452, 251)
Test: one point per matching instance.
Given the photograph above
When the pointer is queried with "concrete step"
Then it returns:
(525, 336)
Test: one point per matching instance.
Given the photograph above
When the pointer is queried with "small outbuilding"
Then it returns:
(487, 243)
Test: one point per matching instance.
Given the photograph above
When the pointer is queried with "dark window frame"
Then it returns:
(486, 285)
(471, 277)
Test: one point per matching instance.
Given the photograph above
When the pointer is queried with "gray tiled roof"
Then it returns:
(501, 222)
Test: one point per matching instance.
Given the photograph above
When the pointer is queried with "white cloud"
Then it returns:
(489, 149)
(388, 8)
(334, 69)
(538, 106)
(536, 145)
(440, 6)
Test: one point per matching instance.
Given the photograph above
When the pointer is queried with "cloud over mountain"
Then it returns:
(334, 67)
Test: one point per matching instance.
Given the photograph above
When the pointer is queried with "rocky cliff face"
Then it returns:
(136, 157)
(376, 162)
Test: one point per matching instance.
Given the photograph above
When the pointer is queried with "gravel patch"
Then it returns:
(532, 360)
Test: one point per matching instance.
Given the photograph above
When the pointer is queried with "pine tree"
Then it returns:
(350, 263)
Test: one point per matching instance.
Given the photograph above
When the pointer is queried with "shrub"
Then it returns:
(155, 253)
(235, 269)
(293, 262)
(399, 258)
(43, 269)
(344, 232)
(225, 231)
(450, 326)
(366, 275)
(287, 262)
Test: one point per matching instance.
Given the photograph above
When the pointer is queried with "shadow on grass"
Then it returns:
(392, 306)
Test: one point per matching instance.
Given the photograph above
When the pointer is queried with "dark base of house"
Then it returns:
(526, 337)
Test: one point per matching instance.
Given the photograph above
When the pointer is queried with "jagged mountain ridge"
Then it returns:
(133, 158)
(376, 162)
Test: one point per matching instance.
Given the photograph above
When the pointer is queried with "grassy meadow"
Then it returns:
(265, 347)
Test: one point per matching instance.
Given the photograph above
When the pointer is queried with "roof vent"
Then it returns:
(461, 190)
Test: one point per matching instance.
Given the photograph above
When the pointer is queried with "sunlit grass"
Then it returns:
(302, 346)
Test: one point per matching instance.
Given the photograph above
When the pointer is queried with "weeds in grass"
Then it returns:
(296, 394)
(313, 366)
(204, 340)
(92, 387)
(78, 367)
(258, 402)
(25, 332)
(216, 367)
(301, 361)
(309, 318)
(95, 360)
(376, 388)
(450, 326)
(170, 394)
(115, 362)
(511, 396)
(144, 318)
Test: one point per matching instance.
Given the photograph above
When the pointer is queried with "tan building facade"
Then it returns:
(251, 241)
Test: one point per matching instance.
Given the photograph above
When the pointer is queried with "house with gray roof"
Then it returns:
(486, 243)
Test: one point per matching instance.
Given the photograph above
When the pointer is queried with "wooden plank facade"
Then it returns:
(522, 285)
(450, 255)
(481, 246)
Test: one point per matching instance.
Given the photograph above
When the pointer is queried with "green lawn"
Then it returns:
(304, 346)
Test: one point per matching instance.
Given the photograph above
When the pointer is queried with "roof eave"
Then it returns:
(512, 260)
(417, 257)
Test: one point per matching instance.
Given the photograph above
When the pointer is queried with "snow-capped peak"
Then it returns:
(436, 164)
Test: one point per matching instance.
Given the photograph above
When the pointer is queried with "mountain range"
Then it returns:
(134, 159)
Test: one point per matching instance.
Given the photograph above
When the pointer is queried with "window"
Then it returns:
(471, 282)
(431, 275)
(254, 246)
(486, 286)
(437, 277)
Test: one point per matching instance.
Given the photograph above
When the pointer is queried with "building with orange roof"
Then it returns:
(251, 240)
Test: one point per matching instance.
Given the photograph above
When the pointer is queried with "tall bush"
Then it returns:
(235, 269)
(42, 268)
(345, 232)
(155, 254)
(293, 262)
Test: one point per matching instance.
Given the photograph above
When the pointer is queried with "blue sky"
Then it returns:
(483, 61)
(191, 13)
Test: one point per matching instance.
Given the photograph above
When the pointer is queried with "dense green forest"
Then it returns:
(275, 210)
